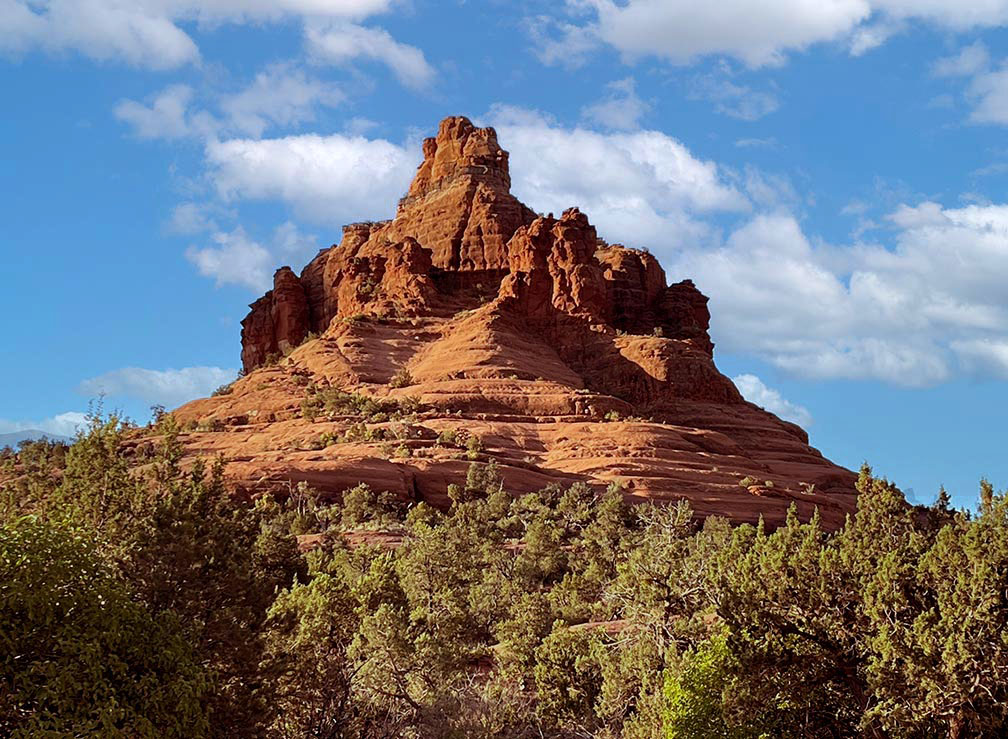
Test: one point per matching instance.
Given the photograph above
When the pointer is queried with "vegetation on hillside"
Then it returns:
(149, 602)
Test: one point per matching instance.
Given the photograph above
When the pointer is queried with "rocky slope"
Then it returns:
(469, 328)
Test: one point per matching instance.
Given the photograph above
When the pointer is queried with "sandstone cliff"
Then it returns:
(469, 328)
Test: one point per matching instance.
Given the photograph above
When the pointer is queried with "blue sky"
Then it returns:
(831, 173)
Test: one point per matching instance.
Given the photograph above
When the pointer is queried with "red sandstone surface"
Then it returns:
(569, 358)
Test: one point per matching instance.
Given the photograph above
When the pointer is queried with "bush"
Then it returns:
(335, 402)
(140, 604)
(448, 437)
(362, 506)
(474, 446)
(81, 657)
(402, 378)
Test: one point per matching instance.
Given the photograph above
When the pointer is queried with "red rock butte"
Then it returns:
(562, 357)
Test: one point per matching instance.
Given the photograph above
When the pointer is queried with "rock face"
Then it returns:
(278, 321)
(571, 359)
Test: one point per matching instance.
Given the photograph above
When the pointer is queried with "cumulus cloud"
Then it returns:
(279, 96)
(620, 109)
(986, 89)
(237, 259)
(100, 29)
(170, 387)
(329, 179)
(645, 186)
(755, 32)
(165, 118)
(192, 218)
(914, 312)
(872, 35)
(62, 424)
(755, 391)
(147, 32)
(337, 43)
(985, 356)
(566, 44)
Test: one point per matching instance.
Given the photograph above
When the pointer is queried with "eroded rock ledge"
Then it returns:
(569, 358)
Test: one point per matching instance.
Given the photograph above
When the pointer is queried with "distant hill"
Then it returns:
(16, 437)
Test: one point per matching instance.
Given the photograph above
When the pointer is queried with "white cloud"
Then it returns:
(757, 143)
(871, 36)
(565, 44)
(165, 118)
(280, 95)
(736, 101)
(989, 91)
(147, 32)
(985, 356)
(290, 241)
(337, 43)
(192, 218)
(620, 109)
(755, 32)
(239, 260)
(328, 179)
(101, 29)
(645, 186)
(235, 259)
(755, 391)
(171, 387)
(955, 15)
(987, 83)
(915, 312)
(63, 424)
(970, 60)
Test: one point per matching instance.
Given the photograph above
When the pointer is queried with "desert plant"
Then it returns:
(402, 378)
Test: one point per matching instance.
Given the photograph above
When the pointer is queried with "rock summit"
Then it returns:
(468, 329)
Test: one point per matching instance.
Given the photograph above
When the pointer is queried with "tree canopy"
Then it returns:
(138, 598)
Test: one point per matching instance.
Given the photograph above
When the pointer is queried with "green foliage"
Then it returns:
(184, 548)
(560, 613)
(78, 655)
(474, 446)
(448, 437)
(366, 508)
(402, 378)
(697, 691)
(334, 402)
(310, 629)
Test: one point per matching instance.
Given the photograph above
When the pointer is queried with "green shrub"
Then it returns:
(474, 446)
(401, 378)
(81, 656)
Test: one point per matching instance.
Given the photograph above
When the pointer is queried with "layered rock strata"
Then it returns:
(569, 358)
